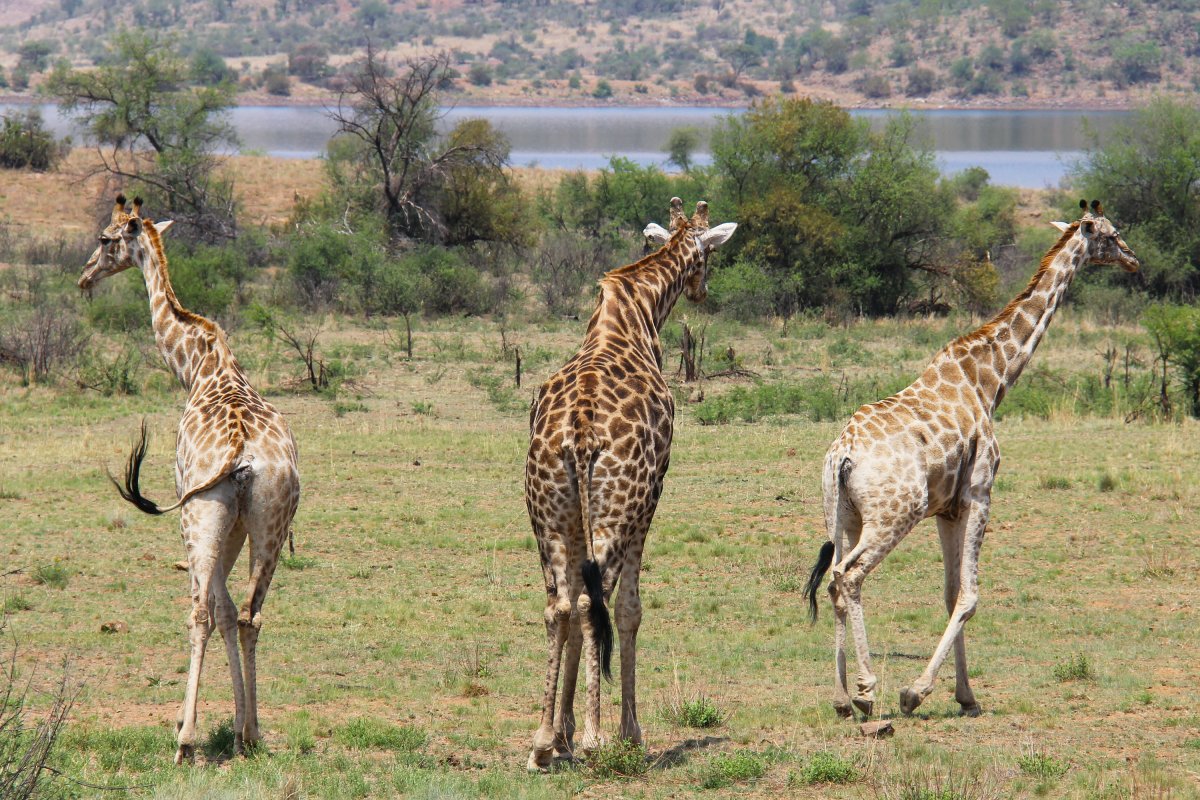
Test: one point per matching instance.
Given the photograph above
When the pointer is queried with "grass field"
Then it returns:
(402, 651)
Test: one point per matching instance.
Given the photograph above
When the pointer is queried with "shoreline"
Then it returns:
(261, 100)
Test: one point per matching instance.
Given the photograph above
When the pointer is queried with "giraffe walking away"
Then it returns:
(930, 451)
(600, 442)
(235, 470)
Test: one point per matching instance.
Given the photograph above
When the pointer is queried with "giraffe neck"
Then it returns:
(1014, 334)
(637, 299)
(184, 339)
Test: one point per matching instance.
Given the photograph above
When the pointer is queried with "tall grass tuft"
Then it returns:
(1076, 668)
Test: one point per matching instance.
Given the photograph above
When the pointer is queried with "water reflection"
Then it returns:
(1018, 148)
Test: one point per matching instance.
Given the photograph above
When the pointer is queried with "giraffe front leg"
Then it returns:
(971, 531)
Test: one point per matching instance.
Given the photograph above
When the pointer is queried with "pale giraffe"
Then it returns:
(600, 442)
(235, 470)
(930, 450)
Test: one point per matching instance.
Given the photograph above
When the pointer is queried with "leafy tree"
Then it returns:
(151, 128)
(1146, 170)
(208, 68)
(830, 210)
(681, 145)
(391, 158)
(309, 62)
(1136, 62)
(1176, 334)
(26, 143)
(921, 81)
(34, 55)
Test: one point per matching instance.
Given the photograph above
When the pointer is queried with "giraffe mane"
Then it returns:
(630, 269)
(173, 303)
(989, 327)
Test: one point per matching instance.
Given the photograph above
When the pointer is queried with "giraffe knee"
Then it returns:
(248, 622)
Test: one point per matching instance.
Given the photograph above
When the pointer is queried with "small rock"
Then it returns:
(697, 396)
(182, 566)
(148, 557)
(880, 729)
(116, 626)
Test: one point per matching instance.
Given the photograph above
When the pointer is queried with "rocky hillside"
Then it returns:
(983, 53)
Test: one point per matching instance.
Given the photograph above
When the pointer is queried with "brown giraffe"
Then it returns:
(930, 450)
(600, 442)
(235, 469)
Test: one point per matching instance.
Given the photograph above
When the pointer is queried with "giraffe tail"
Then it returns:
(131, 492)
(585, 452)
(824, 562)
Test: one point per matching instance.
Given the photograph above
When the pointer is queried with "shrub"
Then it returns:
(603, 90)
(921, 81)
(1040, 765)
(695, 712)
(38, 342)
(26, 143)
(55, 576)
(454, 287)
(729, 768)
(825, 767)
(1075, 668)
(480, 74)
(620, 758)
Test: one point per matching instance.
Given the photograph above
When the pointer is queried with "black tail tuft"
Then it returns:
(824, 562)
(598, 612)
(130, 491)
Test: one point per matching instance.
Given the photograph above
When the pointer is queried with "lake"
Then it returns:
(1031, 149)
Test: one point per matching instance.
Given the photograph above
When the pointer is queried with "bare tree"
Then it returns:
(392, 121)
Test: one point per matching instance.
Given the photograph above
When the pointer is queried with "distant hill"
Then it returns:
(982, 53)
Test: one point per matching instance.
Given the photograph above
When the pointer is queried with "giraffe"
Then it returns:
(600, 442)
(235, 470)
(931, 450)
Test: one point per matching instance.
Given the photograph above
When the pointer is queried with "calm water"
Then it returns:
(1018, 148)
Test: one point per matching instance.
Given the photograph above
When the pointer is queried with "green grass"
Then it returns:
(727, 769)
(366, 733)
(403, 649)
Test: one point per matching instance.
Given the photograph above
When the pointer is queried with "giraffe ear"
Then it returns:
(1062, 226)
(1087, 228)
(133, 228)
(656, 233)
(161, 227)
(715, 237)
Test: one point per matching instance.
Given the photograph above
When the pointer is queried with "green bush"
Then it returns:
(727, 769)
(1076, 668)
(26, 143)
(825, 767)
(454, 287)
(620, 758)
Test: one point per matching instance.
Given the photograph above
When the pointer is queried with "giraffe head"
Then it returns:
(704, 239)
(120, 243)
(1103, 245)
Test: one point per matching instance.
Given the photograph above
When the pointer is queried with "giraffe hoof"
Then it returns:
(864, 705)
(971, 710)
(844, 710)
(909, 700)
(539, 762)
(186, 752)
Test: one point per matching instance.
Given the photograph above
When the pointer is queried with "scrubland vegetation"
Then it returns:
(385, 309)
